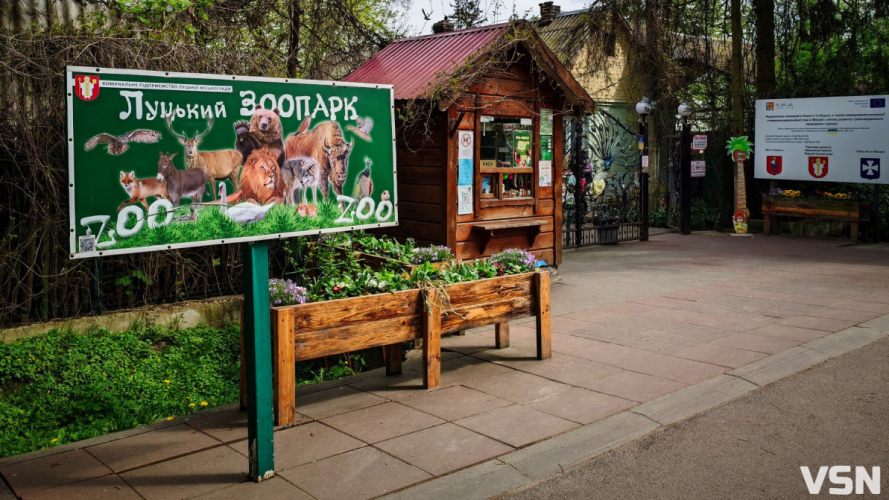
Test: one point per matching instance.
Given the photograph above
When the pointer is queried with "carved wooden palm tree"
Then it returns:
(739, 148)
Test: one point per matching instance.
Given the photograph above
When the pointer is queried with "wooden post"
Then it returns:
(544, 347)
(432, 341)
(501, 335)
(854, 232)
(392, 353)
(258, 357)
(284, 367)
(765, 224)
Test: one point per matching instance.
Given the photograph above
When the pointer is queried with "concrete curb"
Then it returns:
(548, 458)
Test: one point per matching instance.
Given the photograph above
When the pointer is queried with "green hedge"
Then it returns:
(62, 387)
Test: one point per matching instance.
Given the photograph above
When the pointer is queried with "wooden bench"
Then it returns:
(850, 211)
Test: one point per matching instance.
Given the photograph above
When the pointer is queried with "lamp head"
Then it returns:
(684, 110)
(644, 106)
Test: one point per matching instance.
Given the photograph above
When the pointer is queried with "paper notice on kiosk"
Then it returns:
(834, 139)
(464, 200)
(546, 173)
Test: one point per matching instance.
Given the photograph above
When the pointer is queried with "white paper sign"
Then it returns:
(464, 200)
(645, 161)
(834, 139)
(465, 139)
(546, 173)
(698, 168)
(699, 142)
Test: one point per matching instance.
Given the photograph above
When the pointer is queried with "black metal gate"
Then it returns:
(609, 180)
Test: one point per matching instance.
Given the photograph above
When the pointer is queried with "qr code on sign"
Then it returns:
(87, 243)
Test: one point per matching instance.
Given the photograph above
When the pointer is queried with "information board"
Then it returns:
(160, 161)
(835, 139)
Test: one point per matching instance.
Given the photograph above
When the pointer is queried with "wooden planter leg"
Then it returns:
(765, 225)
(432, 341)
(393, 359)
(501, 335)
(544, 348)
(284, 365)
(854, 232)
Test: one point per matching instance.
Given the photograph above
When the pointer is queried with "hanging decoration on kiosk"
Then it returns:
(161, 161)
(739, 148)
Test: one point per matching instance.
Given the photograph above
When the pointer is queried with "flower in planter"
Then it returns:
(431, 254)
(285, 293)
(514, 261)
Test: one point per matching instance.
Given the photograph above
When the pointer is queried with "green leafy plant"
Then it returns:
(62, 387)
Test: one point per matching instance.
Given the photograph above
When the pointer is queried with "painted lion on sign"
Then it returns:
(260, 180)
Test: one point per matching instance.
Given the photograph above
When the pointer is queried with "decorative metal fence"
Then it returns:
(609, 181)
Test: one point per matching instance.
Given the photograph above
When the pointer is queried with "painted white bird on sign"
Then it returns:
(242, 213)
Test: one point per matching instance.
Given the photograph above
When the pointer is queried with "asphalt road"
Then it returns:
(836, 413)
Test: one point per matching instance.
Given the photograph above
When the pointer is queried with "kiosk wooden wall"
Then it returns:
(428, 170)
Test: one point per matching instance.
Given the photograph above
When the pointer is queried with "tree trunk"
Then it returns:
(737, 71)
(765, 47)
(295, 11)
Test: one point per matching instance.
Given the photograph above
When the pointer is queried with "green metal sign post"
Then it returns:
(258, 356)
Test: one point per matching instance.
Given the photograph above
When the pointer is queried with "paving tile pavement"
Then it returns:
(359, 474)
(27, 478)
(444, 448)
(667, 328)
(189, 476)
(516, 425)
(382, 422)
(153, 447)
(452, 403)
(306, 443)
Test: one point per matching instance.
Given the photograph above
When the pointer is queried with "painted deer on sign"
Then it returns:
(216, 165)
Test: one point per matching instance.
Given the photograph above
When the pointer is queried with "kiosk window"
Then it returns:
(506, 142)
(506, 154)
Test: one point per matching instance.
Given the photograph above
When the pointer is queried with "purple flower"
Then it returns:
(285, 292)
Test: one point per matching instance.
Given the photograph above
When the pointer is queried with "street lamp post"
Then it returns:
(685, 171)
(644, 108)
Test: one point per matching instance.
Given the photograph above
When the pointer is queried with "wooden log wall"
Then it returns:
(517, 91)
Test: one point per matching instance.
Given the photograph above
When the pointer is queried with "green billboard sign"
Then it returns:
(160, 161)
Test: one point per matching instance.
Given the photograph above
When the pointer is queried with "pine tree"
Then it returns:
(467, 14)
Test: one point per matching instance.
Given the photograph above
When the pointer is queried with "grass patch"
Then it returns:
(212, 224)
(62, 387)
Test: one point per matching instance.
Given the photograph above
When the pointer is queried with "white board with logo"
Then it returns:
(698, 168)
(832, 139)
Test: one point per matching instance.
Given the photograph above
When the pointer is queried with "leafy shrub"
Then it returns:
(703, 216)
(657, 218)
(431, 254)
(63, 387)
(384, 246)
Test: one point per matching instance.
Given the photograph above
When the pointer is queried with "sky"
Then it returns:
(441, 8)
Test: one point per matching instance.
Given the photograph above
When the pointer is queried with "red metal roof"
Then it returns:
(411, 64)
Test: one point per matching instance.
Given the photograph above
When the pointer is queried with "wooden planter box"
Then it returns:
(309, 331)
(852, 211)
